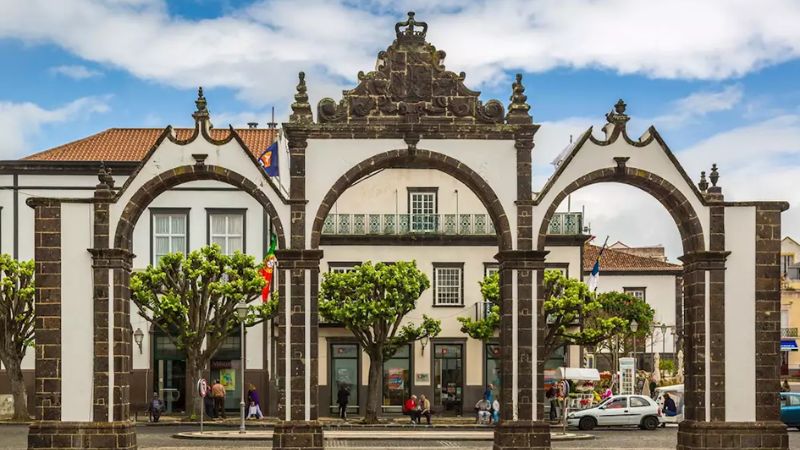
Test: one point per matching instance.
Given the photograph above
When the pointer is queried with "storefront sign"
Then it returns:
(423, 378)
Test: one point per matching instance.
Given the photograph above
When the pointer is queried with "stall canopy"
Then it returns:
(789, 345)
(574, 373)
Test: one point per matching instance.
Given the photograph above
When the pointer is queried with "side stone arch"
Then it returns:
(678, 206)
(123, 237)
(427, 159)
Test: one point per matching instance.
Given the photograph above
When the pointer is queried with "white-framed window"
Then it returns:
(169, 230)
(490, 269)
(786, 261)
(448, 284)
(422, 205)
(638, 292)
(226, 228)
(341, 267)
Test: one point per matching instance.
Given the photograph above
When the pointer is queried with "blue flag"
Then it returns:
(269, 160)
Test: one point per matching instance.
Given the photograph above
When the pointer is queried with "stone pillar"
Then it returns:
(296, 351)
(521, 334)
(705, 425)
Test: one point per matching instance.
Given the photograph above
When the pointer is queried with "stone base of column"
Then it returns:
(83, 435)
(741, 435)
(297, 434)
(518, 435)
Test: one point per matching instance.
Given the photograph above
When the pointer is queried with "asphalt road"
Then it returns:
(15, 437)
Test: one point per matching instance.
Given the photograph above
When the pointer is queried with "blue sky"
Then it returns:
(717, 78)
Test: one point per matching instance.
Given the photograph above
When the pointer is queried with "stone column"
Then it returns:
(521, 334)
(296, 351)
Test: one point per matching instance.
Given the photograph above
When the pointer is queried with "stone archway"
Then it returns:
(686, 218)
(123, 237)
(429, 160)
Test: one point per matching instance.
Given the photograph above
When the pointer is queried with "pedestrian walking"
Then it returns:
(255, 403)
(653, 386)
(553, 399)
(342, 398)
(155, 408)
(218, 394)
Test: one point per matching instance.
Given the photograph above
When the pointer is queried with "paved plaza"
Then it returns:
(14, 438)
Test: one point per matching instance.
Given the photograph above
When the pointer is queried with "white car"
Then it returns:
(619, 410)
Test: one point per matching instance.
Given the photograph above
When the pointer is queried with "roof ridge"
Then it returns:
(641, 259)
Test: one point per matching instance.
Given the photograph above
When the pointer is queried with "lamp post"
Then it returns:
(241, 313)
(634, 327)
(664, 338)
(138, 337)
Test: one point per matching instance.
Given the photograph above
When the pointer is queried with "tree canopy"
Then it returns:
(16, 324)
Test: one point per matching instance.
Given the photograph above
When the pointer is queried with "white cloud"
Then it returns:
(699, 104)
(257, 50)
(76, 72)
(23, 121)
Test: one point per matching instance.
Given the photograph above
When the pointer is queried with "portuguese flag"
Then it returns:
(268, 269)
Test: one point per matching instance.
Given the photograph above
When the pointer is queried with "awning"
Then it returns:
(582, 374)
(789, 345)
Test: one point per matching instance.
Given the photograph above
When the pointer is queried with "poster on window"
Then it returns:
(227, 378)
(343, 376)
(395, 379)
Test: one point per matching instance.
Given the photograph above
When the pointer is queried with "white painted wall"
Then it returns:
(77, 313)
(740, 314)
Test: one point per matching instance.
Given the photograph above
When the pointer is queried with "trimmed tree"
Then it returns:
(485, 327)
(371, 301)
(16, 324)
(627, 308)
(192, 299)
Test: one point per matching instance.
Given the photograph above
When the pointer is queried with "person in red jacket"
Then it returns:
(411, 409)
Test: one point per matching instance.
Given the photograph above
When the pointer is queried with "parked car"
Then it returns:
(619, 410)
(790, 409)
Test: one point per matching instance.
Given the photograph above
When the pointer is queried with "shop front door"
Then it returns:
(448, 369)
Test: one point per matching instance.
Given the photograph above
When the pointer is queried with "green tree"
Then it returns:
(573, 314)
(371, 301)
(485, 328)
(627, 308)
(192, 300)
(16, 324)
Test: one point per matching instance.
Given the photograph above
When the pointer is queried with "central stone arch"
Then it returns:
(427, 159)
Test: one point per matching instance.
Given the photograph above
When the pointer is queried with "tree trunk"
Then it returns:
(193, 405)
(374, 389)
(14, 370)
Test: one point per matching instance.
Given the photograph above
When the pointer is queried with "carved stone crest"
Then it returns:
(410, 84)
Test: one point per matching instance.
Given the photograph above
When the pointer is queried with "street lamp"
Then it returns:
(241, 313)
(664, 338)
(138, 337)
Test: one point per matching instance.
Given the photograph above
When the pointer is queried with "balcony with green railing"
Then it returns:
(439, 224)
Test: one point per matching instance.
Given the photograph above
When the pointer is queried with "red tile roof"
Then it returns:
(132, 144)
(615, 260)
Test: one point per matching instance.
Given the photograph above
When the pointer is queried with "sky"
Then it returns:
(717, 78)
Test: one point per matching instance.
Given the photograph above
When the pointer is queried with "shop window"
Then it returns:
(226, 366)
(344, 373)
(397, 378)
(169, 232)
(169, 372)
(492, 367)
(226, 228)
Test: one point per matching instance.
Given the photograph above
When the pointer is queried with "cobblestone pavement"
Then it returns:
(15, 438)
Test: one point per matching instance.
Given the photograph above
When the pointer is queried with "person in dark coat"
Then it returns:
(342, 398)
(155, 408)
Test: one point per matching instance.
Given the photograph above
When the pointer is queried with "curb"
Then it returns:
(267, 436)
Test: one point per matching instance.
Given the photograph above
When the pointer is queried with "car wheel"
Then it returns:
(650, 423)
(587, 423)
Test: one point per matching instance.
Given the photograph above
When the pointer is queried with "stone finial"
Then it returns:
(703, 184)
(301, 109)
(714, 176)
(106, 181)
(519, 107)
(201, 113)
(410, 34)
(617, 116)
